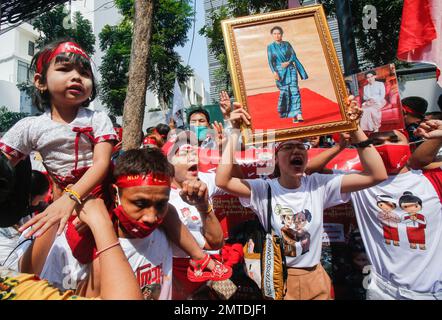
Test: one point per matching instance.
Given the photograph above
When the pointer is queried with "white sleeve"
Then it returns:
(331, 189)
(258, 199)
(102, 126)
(17, 141)
(209, 179)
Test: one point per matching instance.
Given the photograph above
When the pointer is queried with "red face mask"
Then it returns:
(394, 156)
(132, 227)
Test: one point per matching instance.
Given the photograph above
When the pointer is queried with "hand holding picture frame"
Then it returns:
(286, 74)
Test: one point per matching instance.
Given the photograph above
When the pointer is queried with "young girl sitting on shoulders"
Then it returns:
(75, 142)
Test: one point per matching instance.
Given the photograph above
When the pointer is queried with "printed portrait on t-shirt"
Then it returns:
(294, 230)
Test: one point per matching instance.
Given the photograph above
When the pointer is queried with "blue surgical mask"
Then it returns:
(200, 131)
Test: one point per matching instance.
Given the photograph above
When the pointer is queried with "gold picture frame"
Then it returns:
(322, 96)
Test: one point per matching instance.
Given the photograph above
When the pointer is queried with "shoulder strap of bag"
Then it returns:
(269, 208)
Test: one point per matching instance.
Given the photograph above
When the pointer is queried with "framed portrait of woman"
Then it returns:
(286, 74)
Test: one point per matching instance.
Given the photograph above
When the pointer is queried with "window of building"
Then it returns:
(31, 48)
(23, 72)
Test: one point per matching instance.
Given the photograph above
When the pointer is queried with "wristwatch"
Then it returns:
(363, 144)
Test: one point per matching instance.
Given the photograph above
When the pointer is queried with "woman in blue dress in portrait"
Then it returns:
(285, 67)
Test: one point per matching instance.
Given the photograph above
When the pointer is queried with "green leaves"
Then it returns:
(213, 31)
(379, 46)
(172, 20)
(55, 24)
(9, 118)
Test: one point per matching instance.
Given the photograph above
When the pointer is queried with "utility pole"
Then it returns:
(348, 44)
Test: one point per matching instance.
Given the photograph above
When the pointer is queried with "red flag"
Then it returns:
(420, 38)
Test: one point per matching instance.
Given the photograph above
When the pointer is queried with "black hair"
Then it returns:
(147, 160)
(42, 100)
(439, 102)
(149, 130)
(198, 110)
(383, 134)
(409, 197)
(113, 119)
(366, 73)
(39, 184)
(306, 213)
(14, 190)
(435, 114)
(388, 202)
(163, 129)
(277, 28)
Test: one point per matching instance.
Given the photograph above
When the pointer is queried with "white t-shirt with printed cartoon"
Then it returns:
(56, 141)
(297, 213)
(407, 250)
(150, 259)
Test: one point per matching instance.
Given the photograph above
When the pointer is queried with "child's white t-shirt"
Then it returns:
(150, 259)
(418, 269)
(56, 141)
(297, 215)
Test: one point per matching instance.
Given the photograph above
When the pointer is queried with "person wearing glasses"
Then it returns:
(293, 189)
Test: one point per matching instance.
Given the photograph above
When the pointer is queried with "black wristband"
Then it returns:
(363, 144)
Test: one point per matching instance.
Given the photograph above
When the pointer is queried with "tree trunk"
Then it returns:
(134, 104)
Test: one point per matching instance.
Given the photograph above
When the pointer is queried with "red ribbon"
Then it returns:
(79, 132)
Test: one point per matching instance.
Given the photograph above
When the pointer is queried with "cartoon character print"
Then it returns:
(302, 236)
(293, 230)
(415, 221)
(389, 220)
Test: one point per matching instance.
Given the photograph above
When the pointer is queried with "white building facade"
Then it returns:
(17, 48)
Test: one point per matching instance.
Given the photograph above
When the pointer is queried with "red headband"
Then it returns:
(137, 180)
(150, 140)
(65, 47)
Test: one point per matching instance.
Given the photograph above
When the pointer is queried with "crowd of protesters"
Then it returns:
(95, 221)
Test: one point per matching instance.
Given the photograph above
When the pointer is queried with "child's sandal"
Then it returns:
(196, 273)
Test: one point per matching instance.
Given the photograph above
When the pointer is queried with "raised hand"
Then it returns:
(194, 192)
(225, 104)
(354, 111)
(430, 129)
(239, 115)
(219, 136)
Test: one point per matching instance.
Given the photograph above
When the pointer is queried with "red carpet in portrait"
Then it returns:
(316, 109)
